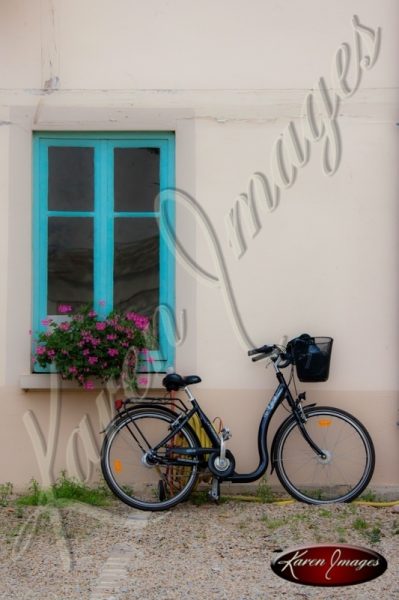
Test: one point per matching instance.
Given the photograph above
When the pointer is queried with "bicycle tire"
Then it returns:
(349, 463)
(130, 477)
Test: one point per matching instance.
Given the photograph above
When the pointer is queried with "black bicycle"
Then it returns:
(152, 458)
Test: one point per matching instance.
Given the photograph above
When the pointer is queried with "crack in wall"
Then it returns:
(49, 48)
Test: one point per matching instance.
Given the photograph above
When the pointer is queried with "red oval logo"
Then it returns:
(329, 565)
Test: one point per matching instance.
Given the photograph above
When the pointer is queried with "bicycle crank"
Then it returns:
(222, 466)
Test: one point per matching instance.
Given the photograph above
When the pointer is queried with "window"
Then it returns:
(98, 235)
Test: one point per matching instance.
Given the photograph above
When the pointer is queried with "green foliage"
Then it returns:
(5, 493)
(374, 535)
(65, 489)
(84, 347)
(35, 497)
(264, 492)
(360, 524)
(368, 496)
(128, 489)
(316, 493)
(199, 498)
(341, 534)
(71, 489)
(274, 523)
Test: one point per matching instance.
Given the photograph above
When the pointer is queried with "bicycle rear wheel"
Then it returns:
(129, 471)
(347, 468)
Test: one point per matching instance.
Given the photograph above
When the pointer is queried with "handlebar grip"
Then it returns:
(254, 351)
(262, 350)
(259, 357)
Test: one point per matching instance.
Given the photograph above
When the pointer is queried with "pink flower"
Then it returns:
(86, 352)
(64, 326)
(113, 352)
(142, 380)
(100, 326)
(73, 370)
(112, 336)
(64, 308)
(92, 313)
(46, 322)
(92, 360)
(140, 321)
(40, 350)
(51, 353)
(88, 385)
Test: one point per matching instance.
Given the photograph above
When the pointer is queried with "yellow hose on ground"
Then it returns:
(283, 502)
(377, 504)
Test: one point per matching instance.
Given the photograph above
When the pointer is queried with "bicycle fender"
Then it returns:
(141, 405)
(276, 435)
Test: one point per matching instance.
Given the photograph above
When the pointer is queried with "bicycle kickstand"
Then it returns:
(214, 492)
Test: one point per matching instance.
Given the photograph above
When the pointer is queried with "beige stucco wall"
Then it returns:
(228, 77)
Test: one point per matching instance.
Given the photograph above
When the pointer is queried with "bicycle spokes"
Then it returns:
(144, 478)
(343, 470)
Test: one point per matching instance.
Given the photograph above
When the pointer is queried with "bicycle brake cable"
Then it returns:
(291, 380)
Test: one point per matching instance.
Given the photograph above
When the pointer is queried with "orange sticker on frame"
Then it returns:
(324, 422)
(117, 465)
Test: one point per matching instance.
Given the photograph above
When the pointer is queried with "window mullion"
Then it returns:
(167, 259)
(102, 274)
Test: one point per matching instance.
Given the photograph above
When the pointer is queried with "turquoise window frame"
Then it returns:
(104, 216)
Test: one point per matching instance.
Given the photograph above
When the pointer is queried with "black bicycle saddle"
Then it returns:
(174, 382)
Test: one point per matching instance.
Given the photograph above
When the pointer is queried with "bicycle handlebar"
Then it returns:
(265, 352)
(259, 357)
(262, 350)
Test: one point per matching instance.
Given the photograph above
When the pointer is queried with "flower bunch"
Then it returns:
(84, 347)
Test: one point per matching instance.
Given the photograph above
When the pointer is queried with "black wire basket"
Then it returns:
(311, 357)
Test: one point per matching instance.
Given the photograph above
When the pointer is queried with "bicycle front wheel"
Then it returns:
(131, 473)
(349, 457)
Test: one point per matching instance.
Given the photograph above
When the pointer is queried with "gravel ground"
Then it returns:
(192, 552)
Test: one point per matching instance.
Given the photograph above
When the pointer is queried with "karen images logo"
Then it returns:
(329, 565)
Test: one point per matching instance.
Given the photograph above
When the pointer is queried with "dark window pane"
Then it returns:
(136, 179)
(70, 178)
(70, 262)
(136, 265)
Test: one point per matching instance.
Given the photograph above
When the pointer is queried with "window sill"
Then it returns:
(46, 381)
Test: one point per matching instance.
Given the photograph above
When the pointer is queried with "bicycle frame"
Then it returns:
(282, 392)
